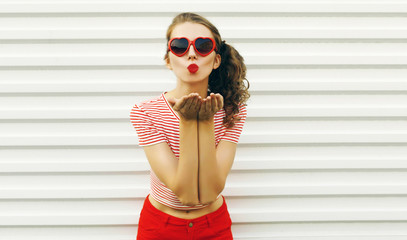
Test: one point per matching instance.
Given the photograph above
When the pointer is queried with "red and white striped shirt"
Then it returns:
(155, 121)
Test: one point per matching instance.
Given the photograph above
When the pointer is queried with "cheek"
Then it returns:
(208, 65)
(207, 68)
(177, 66)
(175, 61)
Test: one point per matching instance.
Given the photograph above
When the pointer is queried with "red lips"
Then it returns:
(193, 68)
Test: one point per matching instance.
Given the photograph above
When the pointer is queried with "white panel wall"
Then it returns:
(323, 154)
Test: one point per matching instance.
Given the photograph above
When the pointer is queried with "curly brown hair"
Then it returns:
(230, 77)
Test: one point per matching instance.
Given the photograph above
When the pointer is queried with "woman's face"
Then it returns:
(179, 65)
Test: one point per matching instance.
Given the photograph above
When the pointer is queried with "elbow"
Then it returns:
(211, 197)
(189, 202)
(207, 201)
(187, 198)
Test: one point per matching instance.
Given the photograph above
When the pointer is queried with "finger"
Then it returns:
(213, 103)
(196, 104)
(208, 104)
(188, 102)
(201, 105)
(220, 101)
(183, 102)
(177, 104)
(192, 97)
(200, 102)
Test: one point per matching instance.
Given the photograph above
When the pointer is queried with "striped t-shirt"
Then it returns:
(155, 121)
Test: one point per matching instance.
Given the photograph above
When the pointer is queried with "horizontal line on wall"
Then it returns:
(230, 191)
(326, 138)
(60, 35)
(85, 114)
(34, 166)
(327, 112)
(69, 166)
(359, 144)
(251, 216)
(74, 234)
(257, 34)
(249, 66)
(154, 7)
(232, 40)
(159, 90)
(333, 236)
(387, 235)
(135, 146)
(246, 138)
(287, 13)
(74, 193)
(153, 87)
(260, 60)
(340, 164)
(309, 190)
(89, 67)
(238, 216)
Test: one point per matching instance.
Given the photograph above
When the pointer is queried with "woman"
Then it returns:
(189, 134)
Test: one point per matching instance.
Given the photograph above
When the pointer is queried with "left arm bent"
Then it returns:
(214, 162)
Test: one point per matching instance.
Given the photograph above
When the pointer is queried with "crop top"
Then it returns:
(155, 121)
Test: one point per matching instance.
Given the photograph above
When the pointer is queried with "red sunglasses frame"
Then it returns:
(192, 43)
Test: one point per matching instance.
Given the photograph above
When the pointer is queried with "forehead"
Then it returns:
(191, 31)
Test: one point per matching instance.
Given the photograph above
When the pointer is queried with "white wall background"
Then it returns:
(323, 154)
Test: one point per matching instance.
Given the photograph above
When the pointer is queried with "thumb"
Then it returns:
(171, 101)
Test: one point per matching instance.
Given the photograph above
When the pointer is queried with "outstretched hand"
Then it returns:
(192, 106)
(210, 106)
(187, 106)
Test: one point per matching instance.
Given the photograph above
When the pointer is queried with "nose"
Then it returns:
(191, 52)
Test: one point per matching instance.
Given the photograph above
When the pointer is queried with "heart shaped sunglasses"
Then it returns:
(202, 45)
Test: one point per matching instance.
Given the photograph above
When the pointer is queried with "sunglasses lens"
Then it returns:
(179, 46)
(204, 45)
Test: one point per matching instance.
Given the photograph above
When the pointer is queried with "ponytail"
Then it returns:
(228, 80)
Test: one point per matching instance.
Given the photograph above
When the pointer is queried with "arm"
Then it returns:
(186, 179)
(179, 175)
(214, 162)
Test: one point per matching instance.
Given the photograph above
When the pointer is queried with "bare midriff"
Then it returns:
(187, 214)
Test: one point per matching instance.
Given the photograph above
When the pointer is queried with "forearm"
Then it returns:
(186, 179)
(210, 181)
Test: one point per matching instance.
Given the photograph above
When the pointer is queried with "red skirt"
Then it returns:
(155, 224)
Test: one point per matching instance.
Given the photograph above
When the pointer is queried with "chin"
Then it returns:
(192, 79)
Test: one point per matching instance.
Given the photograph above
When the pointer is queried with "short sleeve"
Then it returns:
(147, 132)
(233, 134)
